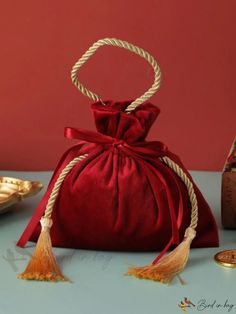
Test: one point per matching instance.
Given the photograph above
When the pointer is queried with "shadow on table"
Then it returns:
(198, 260)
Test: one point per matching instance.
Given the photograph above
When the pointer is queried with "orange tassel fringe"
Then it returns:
(169, 265)
(43, 265)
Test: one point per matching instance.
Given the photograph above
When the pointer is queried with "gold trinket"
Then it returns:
(226, 258)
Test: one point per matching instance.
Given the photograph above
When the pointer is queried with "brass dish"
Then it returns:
(14, 190)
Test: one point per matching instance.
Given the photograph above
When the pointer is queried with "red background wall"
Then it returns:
(193, 41)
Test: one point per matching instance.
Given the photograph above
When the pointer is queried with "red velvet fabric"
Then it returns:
(121, 197)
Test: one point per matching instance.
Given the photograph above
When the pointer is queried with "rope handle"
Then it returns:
(122, 44)
(169, 162)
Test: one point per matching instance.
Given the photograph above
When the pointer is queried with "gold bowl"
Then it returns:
(14, 190)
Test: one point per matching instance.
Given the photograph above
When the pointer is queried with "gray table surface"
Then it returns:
(98, 283)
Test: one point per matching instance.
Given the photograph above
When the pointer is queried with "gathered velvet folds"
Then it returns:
(122, 196)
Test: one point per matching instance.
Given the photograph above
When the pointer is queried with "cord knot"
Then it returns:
(118, 143)
(46, 223)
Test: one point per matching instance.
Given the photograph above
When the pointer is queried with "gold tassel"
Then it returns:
(169, 265)
(43, 265)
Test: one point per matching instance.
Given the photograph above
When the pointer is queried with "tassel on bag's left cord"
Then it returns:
(43, 265)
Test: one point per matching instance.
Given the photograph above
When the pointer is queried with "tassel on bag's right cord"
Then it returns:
(170, 265)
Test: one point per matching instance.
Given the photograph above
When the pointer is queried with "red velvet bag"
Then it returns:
(114, 190)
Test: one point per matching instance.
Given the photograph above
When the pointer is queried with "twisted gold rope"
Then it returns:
(192, 196)
(57, 185)
(122, 44)
(169, 162)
